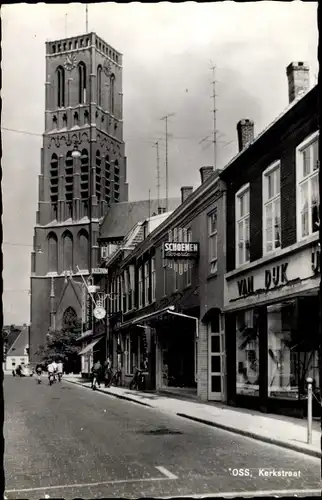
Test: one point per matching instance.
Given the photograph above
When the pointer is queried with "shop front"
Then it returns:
(272, 333)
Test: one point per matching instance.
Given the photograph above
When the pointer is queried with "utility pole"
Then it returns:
(213, 68)
(156, 144)
(166, 158)
(87, 18)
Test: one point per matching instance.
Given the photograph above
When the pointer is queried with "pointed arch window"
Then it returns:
(60, 80)
(112, 94)
(67, 251)
(53, 252)
(83, 249)
(69, 318)
(99, 85)
(82, 83)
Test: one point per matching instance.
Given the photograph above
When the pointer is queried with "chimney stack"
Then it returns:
(298, 74)
(161, 210)
(245, 133)
(205, 172)
(185, 192)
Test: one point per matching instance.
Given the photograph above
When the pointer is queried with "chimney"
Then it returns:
(185, 192)
(161, 210)
(298, 74)
(245, 133)
(205, 172)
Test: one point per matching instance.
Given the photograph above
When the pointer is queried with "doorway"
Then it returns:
(216, 358)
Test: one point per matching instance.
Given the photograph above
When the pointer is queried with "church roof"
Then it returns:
(19, 345)
(122, 217)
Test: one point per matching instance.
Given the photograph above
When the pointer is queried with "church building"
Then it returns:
(83, 173)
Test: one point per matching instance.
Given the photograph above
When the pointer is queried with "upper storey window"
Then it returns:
(272, 208)
(60, 80)
(308, 199)
(242, 226)
(82, 83)
(112, 94)
(99, 85)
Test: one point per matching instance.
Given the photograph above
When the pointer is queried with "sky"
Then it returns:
(168, 51)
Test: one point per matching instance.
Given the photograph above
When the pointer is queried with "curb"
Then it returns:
(118, 396)
(258, 437)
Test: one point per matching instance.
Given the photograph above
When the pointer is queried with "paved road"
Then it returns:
(67, 441)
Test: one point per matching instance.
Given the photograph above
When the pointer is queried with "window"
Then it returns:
(153, 279)
(308, 199)
(131, 287)
(247, 353)
(189, 272)
(242, 226)
(175, 263)
(271, 208)
(60, 87)
(124, 292)
(180, 262)
(170, 239)
(119, 293)
(112, 96)
(165, 271)
(81, 83)
(213, 240)
(140, 287)
(53, 252)
(146, 283)
(99, 85)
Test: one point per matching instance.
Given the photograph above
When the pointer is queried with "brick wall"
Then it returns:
(202, 356)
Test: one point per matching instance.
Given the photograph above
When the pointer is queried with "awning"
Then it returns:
(89, 347)
(84, 335)
(147, 318)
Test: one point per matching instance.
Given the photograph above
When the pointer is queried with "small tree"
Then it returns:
(62, 344)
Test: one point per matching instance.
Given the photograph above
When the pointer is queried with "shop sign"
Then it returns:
(99, 270)
(180, 250)
(274, 277)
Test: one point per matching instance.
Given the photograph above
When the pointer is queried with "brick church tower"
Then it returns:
(83, 172)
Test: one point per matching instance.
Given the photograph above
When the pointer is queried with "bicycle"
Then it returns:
(116, 378)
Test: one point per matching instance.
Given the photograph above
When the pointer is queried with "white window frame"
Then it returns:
(190, 263)
(170, 239)
(180, 262)
(132, 284)
(242, 191)
(140, 287)
(146, 283)
(175, 263)
(186, 262)
(267, 201)
(299, 181)
(153, 279)
(211, 235)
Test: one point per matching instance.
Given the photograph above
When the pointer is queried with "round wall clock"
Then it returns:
(70, 62)
(99, 312)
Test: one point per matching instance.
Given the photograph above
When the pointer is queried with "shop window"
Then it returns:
(292, 356)
(242, 226)
(271, 208)
(247, 357)
(213, 239)
(308, 199)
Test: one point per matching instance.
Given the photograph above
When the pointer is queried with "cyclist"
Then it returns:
(60, 370)
(55, 369)
(38, 372)
(51, 372)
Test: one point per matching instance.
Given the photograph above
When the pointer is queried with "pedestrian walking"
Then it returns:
(51, 373)
(108, 372)
(60, 370)
(38, 372)
(96, 374)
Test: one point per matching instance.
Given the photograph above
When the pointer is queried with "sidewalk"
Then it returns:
(286, 432)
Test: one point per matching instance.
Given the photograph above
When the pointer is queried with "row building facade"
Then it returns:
(234, 317)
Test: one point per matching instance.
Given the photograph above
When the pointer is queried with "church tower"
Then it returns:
(83, 172)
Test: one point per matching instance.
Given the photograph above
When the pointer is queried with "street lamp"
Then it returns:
(76, 153)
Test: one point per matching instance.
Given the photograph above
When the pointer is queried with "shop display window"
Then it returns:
(247, 355)
(292, 354)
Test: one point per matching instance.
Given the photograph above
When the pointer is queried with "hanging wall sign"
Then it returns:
(180, 250)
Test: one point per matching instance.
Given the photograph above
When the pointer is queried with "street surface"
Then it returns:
(66, 441)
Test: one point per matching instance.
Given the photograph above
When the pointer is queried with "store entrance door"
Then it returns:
(215, 361)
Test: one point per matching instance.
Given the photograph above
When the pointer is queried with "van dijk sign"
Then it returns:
(180, 250)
